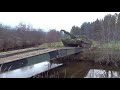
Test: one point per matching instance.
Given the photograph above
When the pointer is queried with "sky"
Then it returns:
(51, 20)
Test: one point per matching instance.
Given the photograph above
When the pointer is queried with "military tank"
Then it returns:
(76, 41)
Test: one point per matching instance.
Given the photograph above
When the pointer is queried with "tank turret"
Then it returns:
(76, 41)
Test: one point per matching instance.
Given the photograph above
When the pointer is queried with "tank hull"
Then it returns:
(69, 43)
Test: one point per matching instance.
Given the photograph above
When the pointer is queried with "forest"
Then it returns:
(103, 30)
(23, 35)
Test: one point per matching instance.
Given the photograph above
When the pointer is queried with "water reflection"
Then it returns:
(83, 69)
(99, 73)
(29, 71)
(62, 68)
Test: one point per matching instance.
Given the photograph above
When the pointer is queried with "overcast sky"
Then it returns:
(51, 20)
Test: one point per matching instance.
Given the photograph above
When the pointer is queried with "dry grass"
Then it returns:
(54, 44)
(102, 56)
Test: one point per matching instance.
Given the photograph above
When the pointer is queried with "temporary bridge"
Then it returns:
(17, 59)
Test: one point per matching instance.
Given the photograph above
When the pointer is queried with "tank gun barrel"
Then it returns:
(72, 36)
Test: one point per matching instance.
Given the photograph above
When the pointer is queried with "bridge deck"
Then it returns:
(10, 53)
(24, 55)
(33, 57)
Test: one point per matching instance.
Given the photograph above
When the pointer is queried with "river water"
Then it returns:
(29, 71)
(100, 73)
(76, 69)
(83, 69)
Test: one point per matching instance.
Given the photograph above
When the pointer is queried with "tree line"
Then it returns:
(23, 36)
(103, 30)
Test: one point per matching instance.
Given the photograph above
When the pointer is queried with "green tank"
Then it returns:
(76, 41)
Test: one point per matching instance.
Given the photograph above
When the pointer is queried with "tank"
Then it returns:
(76, 41)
